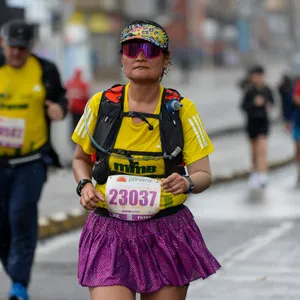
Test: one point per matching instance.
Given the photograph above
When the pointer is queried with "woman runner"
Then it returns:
(139, 236)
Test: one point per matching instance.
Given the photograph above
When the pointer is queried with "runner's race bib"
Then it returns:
(11, 132)
(132, 198)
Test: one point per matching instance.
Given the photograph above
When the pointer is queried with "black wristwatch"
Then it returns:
(191, 187)
(81, 184)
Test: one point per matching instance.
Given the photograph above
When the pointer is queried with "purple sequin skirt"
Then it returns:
(143, 256)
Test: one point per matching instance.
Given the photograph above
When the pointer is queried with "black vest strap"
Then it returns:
(142, 116)
(142, 153)
(171, 129)
(136, 114)
(109, 120)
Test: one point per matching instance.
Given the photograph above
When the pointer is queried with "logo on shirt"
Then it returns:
(199, 131)
(14, 106)
(134, 168)
(37, 88)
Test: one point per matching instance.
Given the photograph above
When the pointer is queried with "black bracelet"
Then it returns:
(191, 187)
(81, 184)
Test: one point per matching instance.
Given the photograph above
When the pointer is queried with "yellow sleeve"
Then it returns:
(86, 125)
(197, 143)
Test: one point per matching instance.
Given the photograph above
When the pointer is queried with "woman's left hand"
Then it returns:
(175, 184)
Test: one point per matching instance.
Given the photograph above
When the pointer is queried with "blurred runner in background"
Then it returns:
(257, 102)
(285, 90)
(31, 96)
(295, 123)
(77, 95)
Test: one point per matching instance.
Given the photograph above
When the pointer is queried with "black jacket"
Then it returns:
(248, 105)
(285, 90)
(54, 92)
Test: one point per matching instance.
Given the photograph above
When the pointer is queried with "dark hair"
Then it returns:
(256, 69)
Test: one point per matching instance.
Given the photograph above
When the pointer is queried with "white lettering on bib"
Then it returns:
(11, 132)
(132, 198)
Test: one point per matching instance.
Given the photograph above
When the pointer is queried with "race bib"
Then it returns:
(11, 132)
(132, 198)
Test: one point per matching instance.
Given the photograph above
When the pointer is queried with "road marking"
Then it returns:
(45, 248)
(244, 250)
(267, 269)
(271, 279)
(261, 241)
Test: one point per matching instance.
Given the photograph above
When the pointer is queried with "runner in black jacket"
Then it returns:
(257, 101)
(31, 96)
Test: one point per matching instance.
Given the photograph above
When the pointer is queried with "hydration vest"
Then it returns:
(109, 120)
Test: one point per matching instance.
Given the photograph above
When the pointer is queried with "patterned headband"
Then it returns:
(147, 32)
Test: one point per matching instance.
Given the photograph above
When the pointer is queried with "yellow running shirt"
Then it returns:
(137, 137)
(23, 127)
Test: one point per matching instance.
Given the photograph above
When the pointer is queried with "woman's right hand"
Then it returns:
(90, 197)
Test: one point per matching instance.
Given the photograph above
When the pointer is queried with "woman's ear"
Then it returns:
(166, 60)
(122, 65)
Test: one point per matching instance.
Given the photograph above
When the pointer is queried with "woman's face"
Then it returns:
(143, 69)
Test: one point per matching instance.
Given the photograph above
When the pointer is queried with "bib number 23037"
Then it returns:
(132, 198)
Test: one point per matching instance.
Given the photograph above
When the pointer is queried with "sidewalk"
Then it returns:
(60, 210)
